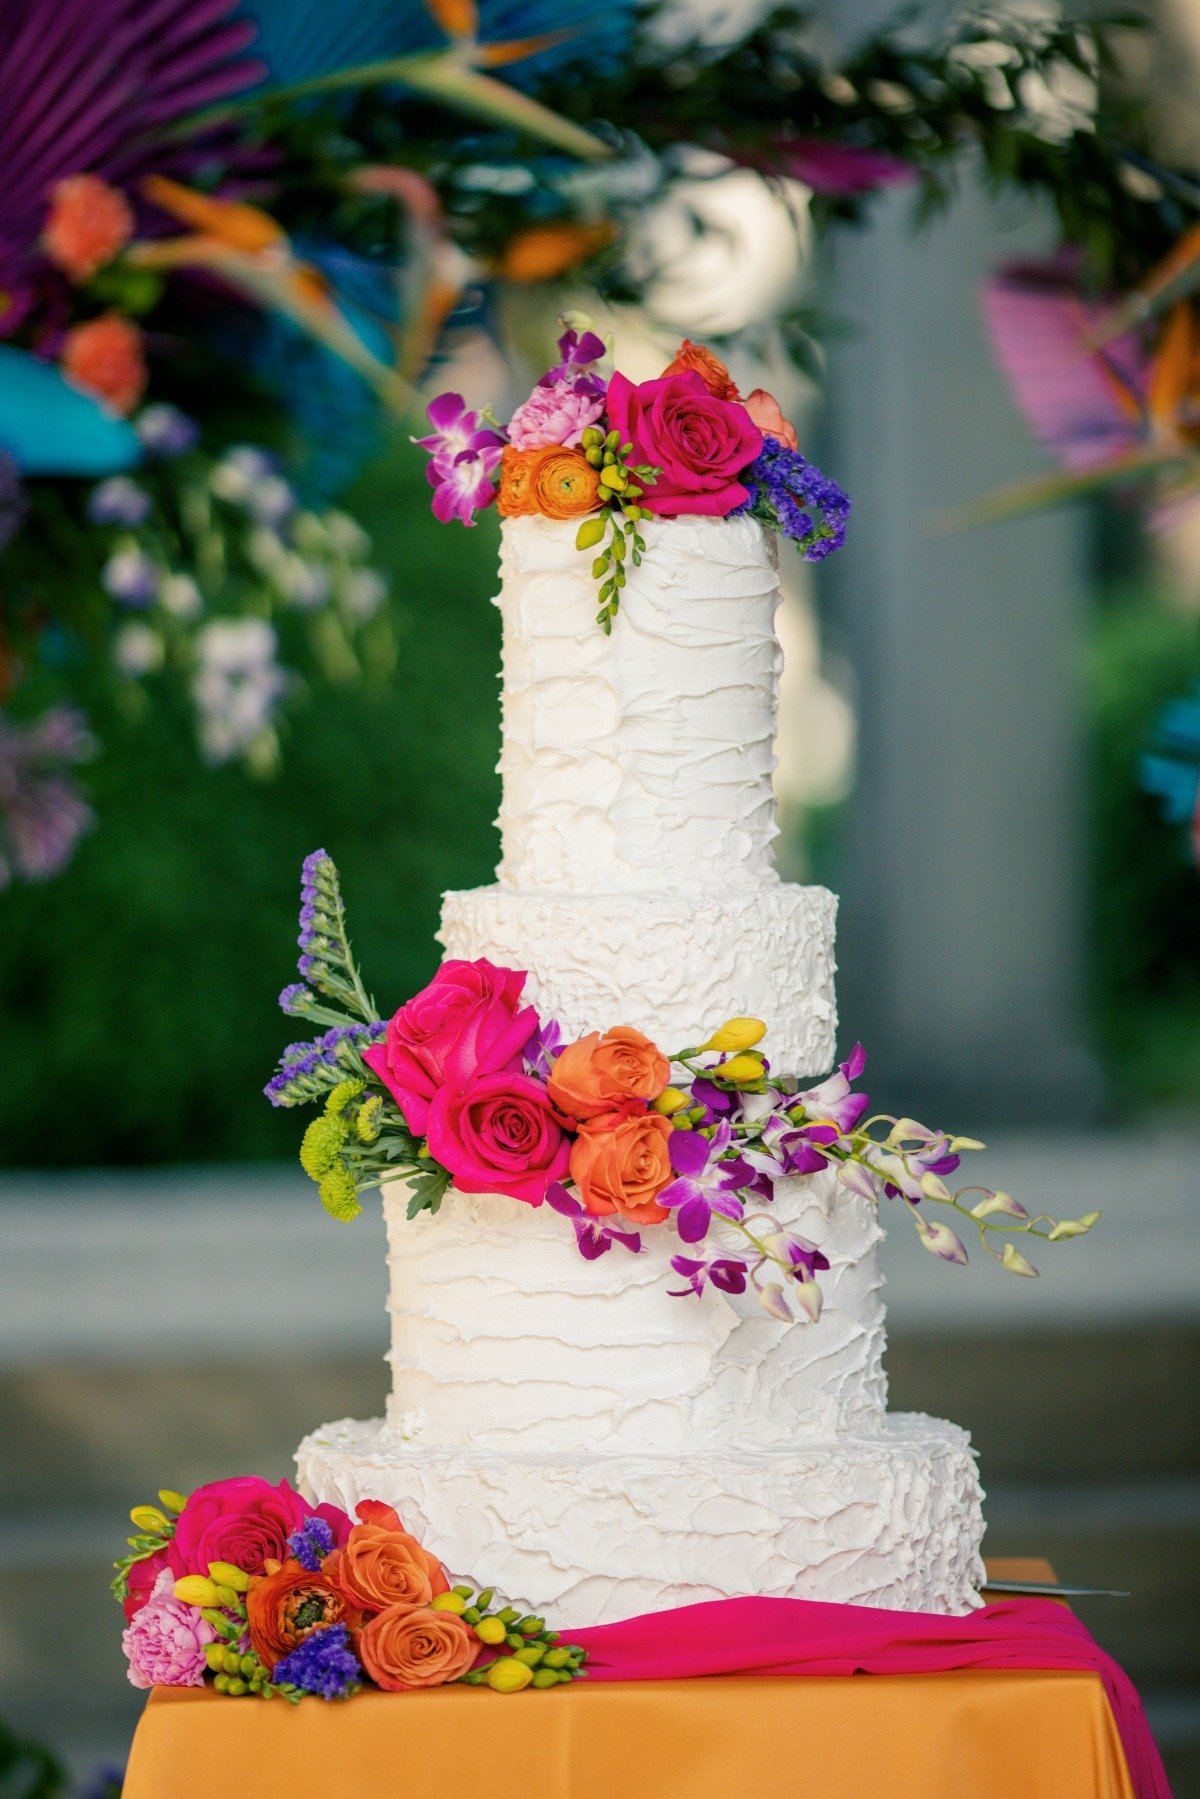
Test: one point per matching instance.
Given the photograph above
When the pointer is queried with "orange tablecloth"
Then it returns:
(971, 1735)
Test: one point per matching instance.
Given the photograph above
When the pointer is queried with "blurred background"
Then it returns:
(963, 253)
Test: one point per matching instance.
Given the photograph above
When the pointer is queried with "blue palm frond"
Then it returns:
(49, 427)
(299, 40)
(1170, 769)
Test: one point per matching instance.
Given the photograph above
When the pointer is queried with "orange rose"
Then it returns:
(410, 1646)
(764, 412)
(89, 223)
(601, 1072)
(105, 356)
(620, 1161)
(515, 497)
(694, 359)
(287, 1603)
(380, 1566)
(563, 483)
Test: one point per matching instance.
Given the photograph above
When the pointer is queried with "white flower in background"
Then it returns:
(239, 472)
(305, 585)
(237, 687)
(271, 500)
(362, 593)
(137, 650)
(266, 550)
(130, 577)
(181, 597)
(346, 534)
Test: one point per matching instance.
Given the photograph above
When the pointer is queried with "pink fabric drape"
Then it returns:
(800, 1636)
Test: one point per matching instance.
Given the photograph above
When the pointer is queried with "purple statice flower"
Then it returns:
(302, 1060)
(791, 494)
(131, 578)
(322, 1664)
(118, 501)
(592, 1238)
(704, 1181)
(728, 1273)
(13, 504)
(464, 454)
(165, 431)
(296, 999)
(542, 1049)
(311, 1543)
(42, 812)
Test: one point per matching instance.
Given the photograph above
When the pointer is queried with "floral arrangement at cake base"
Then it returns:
(467, 1086)
(248, 1588)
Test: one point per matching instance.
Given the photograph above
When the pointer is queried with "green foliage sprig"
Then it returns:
(622, 488)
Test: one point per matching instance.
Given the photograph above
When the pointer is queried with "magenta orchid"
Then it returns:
(464, 454)
(592, 1238)
(704, 1182)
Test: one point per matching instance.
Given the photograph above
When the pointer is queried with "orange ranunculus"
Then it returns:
(545, 252)
(410, 1646)
(381, 1565)
(601, 1072)
(563, 483)
(284, 1605)
(89, 222)
(515, 496)
(105, 356)
(620, 1161)
(765, 413)
(694, 359)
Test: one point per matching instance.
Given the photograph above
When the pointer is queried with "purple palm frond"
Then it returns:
(91, 86)
(1084, 404)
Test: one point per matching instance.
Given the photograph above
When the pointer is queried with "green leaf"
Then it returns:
(426, 1191)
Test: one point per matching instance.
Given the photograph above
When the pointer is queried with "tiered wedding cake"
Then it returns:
(566, 1428)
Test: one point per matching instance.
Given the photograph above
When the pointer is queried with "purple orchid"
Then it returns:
(578, 351)
(542, 1049)
(592, 1238)
(464, 454)
(834, 1098)
(727, 1273)
(805, 1261)
(925, 1156)
(705, 1183)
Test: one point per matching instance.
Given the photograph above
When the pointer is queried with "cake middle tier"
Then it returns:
(675, 966)
(505, 1339)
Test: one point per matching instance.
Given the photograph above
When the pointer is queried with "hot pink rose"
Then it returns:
(468, 1021)
(501, 1136)
(700, 443)
(244, 1521)
(764, 410)
(165, 1644)
(140, 1579)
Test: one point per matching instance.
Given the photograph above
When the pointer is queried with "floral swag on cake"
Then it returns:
(467, 1085)
(248, 1588)
(597, 447)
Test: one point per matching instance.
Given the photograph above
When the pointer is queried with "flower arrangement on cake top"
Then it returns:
(467, 1086)
(249, 1588)
(592, 446)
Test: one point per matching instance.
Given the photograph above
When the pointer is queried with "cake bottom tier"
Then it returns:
(891, 1519)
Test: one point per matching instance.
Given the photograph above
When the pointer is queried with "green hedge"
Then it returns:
(139, 990)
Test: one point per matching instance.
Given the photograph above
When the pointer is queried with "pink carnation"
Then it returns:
(557, 413)
(165, 1644)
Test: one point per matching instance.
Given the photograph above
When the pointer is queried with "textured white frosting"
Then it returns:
(504, 1338)
(675, 967)
(641, 761)
(891, 1519)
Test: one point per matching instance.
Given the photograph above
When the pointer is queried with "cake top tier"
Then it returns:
(640, 760)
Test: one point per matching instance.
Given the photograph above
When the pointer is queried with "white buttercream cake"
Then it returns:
(567, 1429)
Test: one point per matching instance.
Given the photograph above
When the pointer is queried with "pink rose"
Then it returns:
(700, 443)
(502, 1135)
(165, 1644)
(556, 413)
(245, 1521)
(140, 1580)
(468, 1021)
(764, 410)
